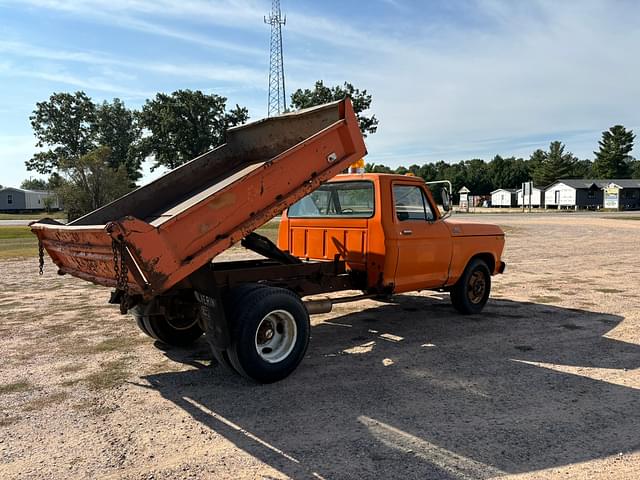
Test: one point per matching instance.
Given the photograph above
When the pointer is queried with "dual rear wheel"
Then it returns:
(269, 330)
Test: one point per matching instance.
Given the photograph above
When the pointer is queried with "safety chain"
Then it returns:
(40, 257)
(119, 265)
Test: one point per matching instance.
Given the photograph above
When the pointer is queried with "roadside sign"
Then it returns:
(612, 196)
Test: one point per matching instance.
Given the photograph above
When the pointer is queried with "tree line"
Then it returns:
(543, 167)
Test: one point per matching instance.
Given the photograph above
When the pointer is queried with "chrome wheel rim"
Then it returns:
(476, 287)
(276, 336)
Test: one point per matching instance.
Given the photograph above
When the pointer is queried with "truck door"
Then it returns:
(424, 243)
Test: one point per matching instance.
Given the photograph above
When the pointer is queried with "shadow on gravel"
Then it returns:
(412, 390)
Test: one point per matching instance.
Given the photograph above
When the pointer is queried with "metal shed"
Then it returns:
(503, 197)
(18, 200)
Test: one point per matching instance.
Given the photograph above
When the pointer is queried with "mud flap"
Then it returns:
(215, 322)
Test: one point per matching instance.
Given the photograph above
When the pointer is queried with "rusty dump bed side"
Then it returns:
(178, 223)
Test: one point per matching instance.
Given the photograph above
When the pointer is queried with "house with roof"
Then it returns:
(579, 194)
(503, 197)
(20, 200)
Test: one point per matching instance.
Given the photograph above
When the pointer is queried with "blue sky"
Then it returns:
(451, 80)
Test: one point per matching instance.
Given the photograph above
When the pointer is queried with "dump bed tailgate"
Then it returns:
(164, 231)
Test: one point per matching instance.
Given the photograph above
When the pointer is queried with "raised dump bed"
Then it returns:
(156, 236)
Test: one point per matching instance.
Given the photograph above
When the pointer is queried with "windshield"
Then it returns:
(336, 199)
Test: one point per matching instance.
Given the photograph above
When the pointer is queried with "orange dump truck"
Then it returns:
(379, 234)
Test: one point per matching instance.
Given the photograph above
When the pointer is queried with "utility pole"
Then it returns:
(277, 95)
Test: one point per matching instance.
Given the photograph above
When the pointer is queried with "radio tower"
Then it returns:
(277, 96)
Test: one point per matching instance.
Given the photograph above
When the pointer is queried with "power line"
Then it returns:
(277, 96)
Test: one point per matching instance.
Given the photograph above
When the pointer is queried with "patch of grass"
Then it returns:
(82, 346)
(71, 383)
(72, 368)
(545, 298)
(15, 233)
(110, 375)
(15, 387)
(269, 230)
(8, 421)
(119, 344)
(608, 290)
(32, 216)
(43, 402)
(17, 242)
(59, 328)
(93, 408)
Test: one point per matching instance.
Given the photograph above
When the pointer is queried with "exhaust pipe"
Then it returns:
(316, 307)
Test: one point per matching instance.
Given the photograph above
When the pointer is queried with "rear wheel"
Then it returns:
(470, 294)
(173, 321)
(269, 333)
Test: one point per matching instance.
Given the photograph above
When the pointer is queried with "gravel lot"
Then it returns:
(545, 384)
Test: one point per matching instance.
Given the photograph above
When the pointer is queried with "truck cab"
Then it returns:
(393, 238)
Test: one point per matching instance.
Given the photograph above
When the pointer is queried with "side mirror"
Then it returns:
(446, 199)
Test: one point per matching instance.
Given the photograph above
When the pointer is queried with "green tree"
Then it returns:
(64, 124)
(72, 125)
(34, 184)
(536, 159)
(89, 182)
(635, 168)
(478, 177)
(322, 94)
(556, 164)
(116, 127)
(373, 168)
(612, 159)
(185, 124)
(583, 169)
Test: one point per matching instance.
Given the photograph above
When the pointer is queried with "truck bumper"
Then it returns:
(502, 267)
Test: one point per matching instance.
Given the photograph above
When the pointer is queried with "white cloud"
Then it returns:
(564, 69)
(215, 72)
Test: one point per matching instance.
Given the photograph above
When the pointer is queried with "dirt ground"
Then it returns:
(545, 384)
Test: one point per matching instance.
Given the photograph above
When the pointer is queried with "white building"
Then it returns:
(574, 194)
(590, 194)
(503, 197)
(537, 197)
(17, 200)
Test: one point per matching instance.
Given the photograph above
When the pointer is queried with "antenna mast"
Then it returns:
(277, 96)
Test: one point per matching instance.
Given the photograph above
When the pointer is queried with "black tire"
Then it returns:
(222, 357)
(140, 323)
(470, 294)
(234, 295)
(269, 332)
(171, 332)
(174, 324)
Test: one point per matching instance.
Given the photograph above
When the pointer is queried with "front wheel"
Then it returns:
(270, 333)
(470, 294)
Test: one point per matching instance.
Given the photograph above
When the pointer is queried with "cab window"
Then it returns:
(411, 203)
(336, 199)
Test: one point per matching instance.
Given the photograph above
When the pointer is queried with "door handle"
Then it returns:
(406, 232)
